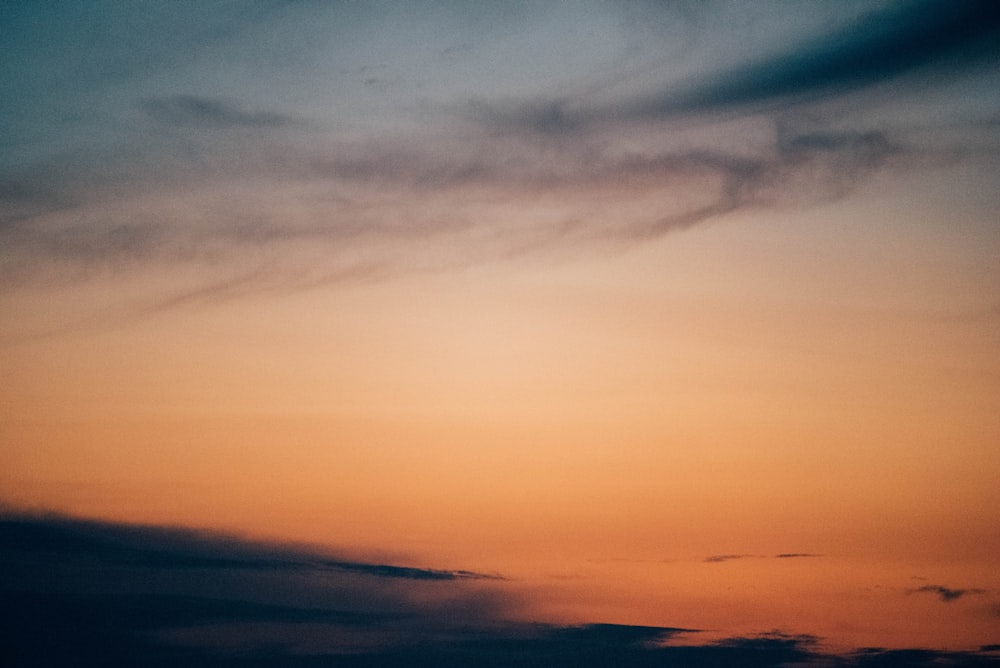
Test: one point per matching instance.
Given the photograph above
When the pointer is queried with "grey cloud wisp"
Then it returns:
(881, 45)
(258, 155)
(194, 111)
(946, 594)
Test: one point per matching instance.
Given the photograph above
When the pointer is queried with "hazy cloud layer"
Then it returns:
(307, 216)
(287, 145)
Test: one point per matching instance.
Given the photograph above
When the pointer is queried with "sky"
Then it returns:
(384, 333)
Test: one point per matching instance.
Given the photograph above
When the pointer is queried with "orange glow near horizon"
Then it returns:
(595, 447)
(397, 329)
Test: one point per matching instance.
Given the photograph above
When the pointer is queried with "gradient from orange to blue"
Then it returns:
(671, 315)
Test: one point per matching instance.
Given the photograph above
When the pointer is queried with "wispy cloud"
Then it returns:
(721, 558)
(796, 555)
(196, 111)
(392, 205)
(878, 46)
(235, 183)
(946, 594)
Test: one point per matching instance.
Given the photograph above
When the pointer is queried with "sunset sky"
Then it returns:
(681, 318)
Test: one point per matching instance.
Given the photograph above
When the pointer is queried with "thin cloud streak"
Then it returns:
(946, 594)
(878, 47)
(796, 555)
(722, 558)
(373, 209)
(196, 111)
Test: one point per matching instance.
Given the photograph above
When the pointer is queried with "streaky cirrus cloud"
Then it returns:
(311, 216)
(304, 175)
(878, 46)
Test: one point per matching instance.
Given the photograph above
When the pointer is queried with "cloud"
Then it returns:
(235, 190)
(85, 592)
(134, 582)
(719, 558)
(946, 594)
(916, 658)
(203, 112)
(176, 548)
(387, 207)
(878, 46)
(796, 555)
(76, 590)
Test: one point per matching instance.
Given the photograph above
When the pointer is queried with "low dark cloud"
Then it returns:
(80, 592)
(177, 548)
(918, 658)
(140, 588)
(946, 594)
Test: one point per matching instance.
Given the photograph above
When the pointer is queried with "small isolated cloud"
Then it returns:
(946, 594)
(719, 558)
(796, 555)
